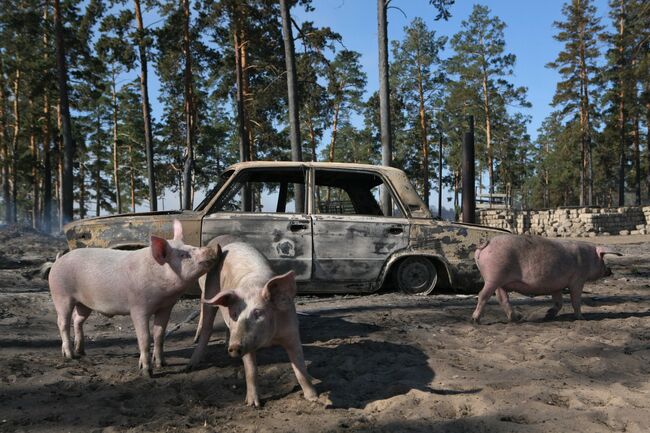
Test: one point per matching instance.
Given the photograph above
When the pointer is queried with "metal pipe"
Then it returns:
(469, 195)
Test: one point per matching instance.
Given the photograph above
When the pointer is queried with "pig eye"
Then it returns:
(257, 313)
(234, 313)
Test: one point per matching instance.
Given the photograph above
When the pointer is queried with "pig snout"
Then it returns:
(235, 350)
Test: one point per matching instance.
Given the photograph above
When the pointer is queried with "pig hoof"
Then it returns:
(311, 396)
(551, 314)
(516, 317)
(253, 401)
(579, 316)
(476, 320)
(159, 364)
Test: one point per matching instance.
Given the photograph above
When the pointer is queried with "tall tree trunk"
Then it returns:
(13, 169)
(36, 173)
(82, 188)
(67, 197)
(242, 117)
(47, 166)
(4, 150)
(188, 164)
(312, 139)
(440, 175)
(146, 109)
(384, 98)
(637, 160)
(292, 94)
(647, 123)
(132, 177)
(585, 145)
(97, 174)
(116, 161)
(622, 115)
(47, 139)
(423, 140)
(335, 122)
(488, 133)
(59, 165)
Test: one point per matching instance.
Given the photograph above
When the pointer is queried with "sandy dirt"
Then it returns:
(382, 363)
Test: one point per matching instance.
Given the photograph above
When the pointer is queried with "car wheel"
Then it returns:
(416, 275)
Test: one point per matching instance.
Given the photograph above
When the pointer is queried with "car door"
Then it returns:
(352, 238)
(258, 207)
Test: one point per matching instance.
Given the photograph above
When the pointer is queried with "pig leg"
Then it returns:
(502, 296)
(141, 325)
(557, 306)
(64, 308)
(250, 370)
(294, 350)
(208, 313)
(79, 316)
(160, 321)
(576, 300)
(484, 295)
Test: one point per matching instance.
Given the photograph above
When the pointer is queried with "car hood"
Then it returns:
(124, 230)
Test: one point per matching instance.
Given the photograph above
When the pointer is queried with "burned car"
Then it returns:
(322, 220)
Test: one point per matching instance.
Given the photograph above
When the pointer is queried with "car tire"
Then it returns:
(416, 275)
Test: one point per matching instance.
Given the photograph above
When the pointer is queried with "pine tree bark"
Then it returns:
(292, 93)
(82, 190)
(36, 173)
(188, 165)
(116, 161)
(423, 139)
(67, 187)
(13, 169)
(335, 122)
(4, 150)
(622, 114)
(47, 139)
(146, 108)
(97, 174)
(384, 97)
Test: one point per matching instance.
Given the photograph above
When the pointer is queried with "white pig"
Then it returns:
(258, 308)
(533, 265)
(143, 283)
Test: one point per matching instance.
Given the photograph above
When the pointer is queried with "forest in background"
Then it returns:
(77, 138)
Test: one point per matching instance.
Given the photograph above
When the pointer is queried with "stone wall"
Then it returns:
(570, 222)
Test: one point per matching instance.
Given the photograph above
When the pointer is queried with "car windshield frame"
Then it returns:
(223, 179)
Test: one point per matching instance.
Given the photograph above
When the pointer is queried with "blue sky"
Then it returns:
(529, 35)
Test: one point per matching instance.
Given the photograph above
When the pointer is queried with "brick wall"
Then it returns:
(570, 222)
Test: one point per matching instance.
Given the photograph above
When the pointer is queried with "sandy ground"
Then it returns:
(382, 363)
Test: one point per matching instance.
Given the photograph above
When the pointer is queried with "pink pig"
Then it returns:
(258, 309)
(142, 283)
(533, 265)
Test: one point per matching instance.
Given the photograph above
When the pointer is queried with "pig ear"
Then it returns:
(225, 299)
(601, 251)
(159, 250)
(178, 231)
(281, 290)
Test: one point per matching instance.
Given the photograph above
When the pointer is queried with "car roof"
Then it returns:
(343, 165)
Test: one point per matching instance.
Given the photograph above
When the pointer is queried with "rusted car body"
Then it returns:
(337, 240)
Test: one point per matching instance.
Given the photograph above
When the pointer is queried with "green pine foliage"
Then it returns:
(594, 148)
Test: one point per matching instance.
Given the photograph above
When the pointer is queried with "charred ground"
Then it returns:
(382, 363)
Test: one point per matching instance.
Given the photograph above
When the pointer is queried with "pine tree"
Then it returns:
(576, 95)
(419, 79)
(482, 69)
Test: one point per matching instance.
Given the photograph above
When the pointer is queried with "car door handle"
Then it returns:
(395, 230)
(296, 226)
